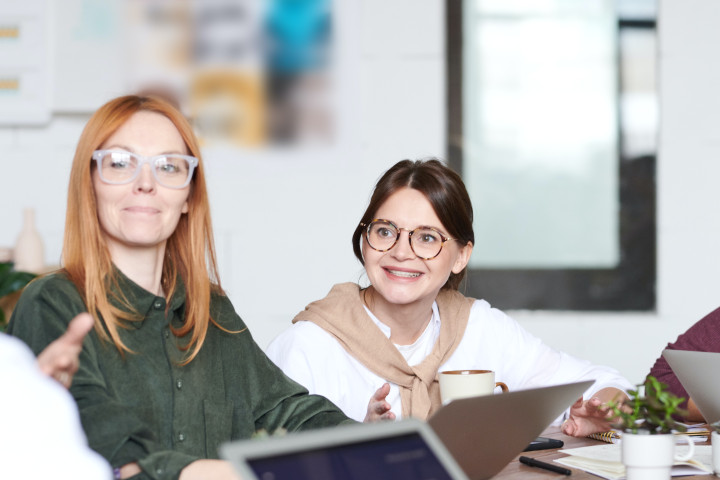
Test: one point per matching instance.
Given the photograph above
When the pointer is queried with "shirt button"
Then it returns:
(158, 304)
(181, 437)
(167, 333)
(159, 471)
(179, 384)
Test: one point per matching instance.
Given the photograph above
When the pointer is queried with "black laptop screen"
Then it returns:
(393, 458)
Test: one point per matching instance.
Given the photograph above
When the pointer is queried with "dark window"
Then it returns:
(630, 284)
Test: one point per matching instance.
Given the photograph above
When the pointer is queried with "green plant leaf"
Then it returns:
(716, 426)
(652, 411)
(11, 281)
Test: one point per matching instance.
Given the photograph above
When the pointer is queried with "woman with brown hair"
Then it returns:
(170, 371)
(388, 341)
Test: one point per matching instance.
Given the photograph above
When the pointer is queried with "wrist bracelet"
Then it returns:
(116, 473)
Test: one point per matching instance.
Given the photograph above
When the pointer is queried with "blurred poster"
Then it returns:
(228, 107)
(25, 80)
(299, 82)
(227, 99)
(158, 42)
(87, 54)
(248, 73)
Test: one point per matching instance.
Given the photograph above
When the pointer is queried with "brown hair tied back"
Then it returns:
(443, 188)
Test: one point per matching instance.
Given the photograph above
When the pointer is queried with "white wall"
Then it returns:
(393, 107)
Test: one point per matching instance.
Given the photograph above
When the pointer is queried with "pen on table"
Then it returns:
(547, 466)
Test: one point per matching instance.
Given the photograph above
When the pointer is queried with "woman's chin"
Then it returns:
(402, 295)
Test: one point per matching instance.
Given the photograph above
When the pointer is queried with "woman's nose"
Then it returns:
(145, 181)
(402, 249)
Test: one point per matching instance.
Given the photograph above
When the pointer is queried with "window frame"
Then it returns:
(630, 286)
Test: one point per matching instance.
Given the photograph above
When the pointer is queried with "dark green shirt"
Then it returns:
(145, 407)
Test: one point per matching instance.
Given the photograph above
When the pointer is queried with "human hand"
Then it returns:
(209, 469)
(60, 359)
(378, 408)
(592, 416)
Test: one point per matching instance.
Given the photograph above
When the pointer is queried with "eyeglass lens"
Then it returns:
(425, 242)
(121, 167)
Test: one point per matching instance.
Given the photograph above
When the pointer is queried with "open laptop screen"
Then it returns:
(394, 458)
(392, 451)
(694, 370)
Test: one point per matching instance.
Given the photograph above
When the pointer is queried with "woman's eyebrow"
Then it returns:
(120, 147)
(441, 230)
(131, 150)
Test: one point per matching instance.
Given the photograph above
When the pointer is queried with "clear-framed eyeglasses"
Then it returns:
(425, 242)
(118, 167)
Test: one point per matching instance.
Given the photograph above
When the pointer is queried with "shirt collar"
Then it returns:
(139, 298)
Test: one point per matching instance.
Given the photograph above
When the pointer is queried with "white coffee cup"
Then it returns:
(651, 457)
(715, 439)
(456, 384)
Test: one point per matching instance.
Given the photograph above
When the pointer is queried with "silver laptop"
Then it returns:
(485, 433)
(407, 449)
(696, 371)
(482, 434)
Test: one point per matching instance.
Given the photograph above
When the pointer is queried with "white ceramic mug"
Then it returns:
(455, 384)
(715, 439)
(651, 457)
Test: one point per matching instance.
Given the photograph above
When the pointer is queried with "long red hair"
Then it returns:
(189, 254)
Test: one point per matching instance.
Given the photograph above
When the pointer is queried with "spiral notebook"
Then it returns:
(699, 432)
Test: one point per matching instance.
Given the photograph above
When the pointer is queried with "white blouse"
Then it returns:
(40, 432)
(492, 341)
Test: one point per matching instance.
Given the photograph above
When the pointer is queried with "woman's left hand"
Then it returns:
(378, 407)
(591, 416)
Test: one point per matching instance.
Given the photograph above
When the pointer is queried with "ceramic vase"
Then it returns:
(29, 253)
(651, 457)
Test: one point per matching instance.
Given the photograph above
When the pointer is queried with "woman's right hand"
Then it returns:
(210, 470)
(378, 407)
(60, 359)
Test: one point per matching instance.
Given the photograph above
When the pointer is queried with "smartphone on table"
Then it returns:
(544, 443)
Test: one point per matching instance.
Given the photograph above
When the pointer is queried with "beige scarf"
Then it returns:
(342, 315)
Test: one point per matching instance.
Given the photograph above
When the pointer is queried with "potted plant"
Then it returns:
(647, 424)
(11, 282)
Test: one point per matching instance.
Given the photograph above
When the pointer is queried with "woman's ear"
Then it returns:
(463, 258)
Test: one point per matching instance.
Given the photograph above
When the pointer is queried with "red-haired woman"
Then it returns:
(170, 371)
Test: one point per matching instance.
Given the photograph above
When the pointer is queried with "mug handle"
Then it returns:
(502, 386)
(690, 452)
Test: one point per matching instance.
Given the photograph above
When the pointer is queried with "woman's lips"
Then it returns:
(148, 210)
(402, 273)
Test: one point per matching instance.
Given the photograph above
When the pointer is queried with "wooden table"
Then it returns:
(515, 469)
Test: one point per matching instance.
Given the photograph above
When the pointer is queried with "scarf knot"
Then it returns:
(342, 314)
